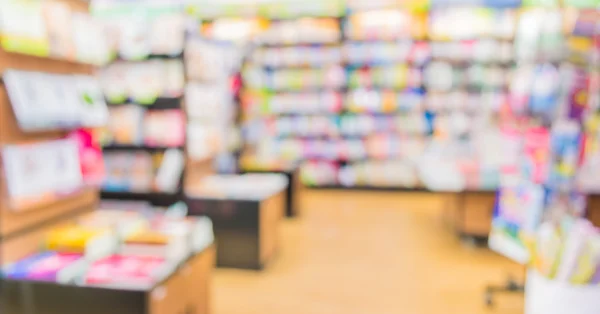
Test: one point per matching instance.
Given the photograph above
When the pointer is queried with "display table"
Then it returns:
(185, 289)
(246, 227)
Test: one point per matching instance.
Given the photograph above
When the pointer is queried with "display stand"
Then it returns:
(246, 231)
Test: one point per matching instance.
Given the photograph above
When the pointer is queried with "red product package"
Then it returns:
(90, 157)
(125, 270)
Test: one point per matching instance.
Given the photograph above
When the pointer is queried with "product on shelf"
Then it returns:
(44, 101)
(359, 5)
(482, 50)
(140, 172)
(138, 36)
(332, 77)
(52, 29)
(318, 173)
(90, 157)
(132, 125)
(392, 77)
(208, 102)
(299, 56)
(539, 35)
(126, 125)
(209, 60)
(386, 25)
(461, 23)
(441, 76)
(42, 172)
(376, 53)
(294, 9)
(302, 31)
(143, 82)
(233, 30)
(303, 103)
(164, 128)
(204, 140)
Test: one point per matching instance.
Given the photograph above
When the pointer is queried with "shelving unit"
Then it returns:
(160, 66)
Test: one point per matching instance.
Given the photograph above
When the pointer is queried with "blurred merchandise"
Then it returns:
(53, 29)
(302, 31)
(117, 246)
(135, 126)
(383, 53)
(393, 77)
(143, 82)
(209, 60)
(300, 56)
(141, 172)
(44, 101)
(306, 79)
(386, 25)
(42, 172)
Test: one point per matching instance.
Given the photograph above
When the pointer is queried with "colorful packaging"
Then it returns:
(121, 271)
(46, 266)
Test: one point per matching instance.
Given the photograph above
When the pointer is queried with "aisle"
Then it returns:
(367, 253)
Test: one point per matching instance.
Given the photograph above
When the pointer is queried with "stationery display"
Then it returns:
(52, 29)
(41, 173)
(44, 101)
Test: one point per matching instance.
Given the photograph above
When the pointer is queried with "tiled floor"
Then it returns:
(368, 253)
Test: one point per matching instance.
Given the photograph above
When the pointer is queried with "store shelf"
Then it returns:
(161, 103)
(152, 57)
(290, 45)
(155, 198)
(139, 147)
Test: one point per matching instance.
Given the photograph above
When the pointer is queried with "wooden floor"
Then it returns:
(368, 253)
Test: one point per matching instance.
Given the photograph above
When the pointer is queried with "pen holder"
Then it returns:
(545, 296)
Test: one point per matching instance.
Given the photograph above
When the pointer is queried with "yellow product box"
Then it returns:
(91, 242)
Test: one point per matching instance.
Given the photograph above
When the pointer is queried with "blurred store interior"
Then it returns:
(299, 156)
